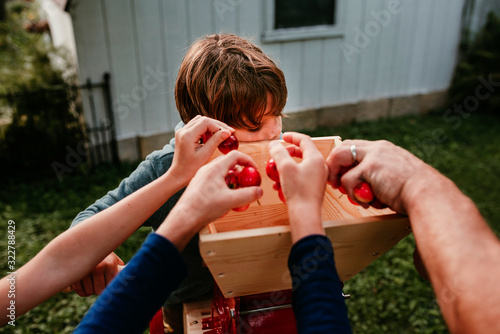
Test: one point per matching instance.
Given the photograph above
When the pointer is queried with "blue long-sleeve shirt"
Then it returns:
(133, 297)
(318, 304)
(130, 301)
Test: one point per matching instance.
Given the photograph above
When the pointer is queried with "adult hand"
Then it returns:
(190, 154)
(207, 198)
(97, 280)
(303, 183)
(386, 167)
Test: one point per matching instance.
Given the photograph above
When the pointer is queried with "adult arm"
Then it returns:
(317, 299)
(131, 300)
(459, 250)
(72, 254)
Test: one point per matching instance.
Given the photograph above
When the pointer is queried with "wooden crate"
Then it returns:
(247, 251)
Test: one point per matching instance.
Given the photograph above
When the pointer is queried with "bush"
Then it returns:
(480, 61)
(39, 96)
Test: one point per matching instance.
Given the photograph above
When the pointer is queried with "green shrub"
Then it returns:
(480, 62)
(37, 94)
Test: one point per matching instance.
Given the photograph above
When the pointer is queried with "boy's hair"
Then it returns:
(228, 78)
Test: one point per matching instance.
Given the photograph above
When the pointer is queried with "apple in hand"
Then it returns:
(232, 180)
(249, 177)
(280, 195)
(272, 170)
(363, 193)
(231, 143)
(241, 208)
(205, 137)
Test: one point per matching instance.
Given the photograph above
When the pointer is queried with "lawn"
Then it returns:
(387, 297)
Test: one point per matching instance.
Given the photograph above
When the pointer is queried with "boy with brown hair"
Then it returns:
(224, 77)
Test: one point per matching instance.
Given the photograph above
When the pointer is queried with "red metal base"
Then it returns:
(266, 313)
(156, 324)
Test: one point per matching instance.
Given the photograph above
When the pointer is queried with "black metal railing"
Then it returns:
(101, 131)
(98, 117)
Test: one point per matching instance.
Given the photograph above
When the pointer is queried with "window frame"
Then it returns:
(271, 35)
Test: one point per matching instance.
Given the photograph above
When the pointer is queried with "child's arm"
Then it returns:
(74, 253)
(157, 268)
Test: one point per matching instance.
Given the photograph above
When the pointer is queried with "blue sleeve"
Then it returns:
(155, 165)
(317, 299)
(137, 293)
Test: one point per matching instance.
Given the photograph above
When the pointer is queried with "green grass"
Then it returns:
(387, 297)
(42, 211)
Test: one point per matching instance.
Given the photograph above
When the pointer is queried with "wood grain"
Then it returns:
(247, 251)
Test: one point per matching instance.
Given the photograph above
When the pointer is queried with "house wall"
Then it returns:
(375, 62)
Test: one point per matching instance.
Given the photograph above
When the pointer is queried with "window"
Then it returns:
(302, 19)
(303, 13)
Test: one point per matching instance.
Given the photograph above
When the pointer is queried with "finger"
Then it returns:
(233, 158)
(279, 154)
(99, 283)
(341, 156)
(294, 151)
(303, 141)
(350, 180)
(192, 121)
(214, 141)
(243, 196)
(88, 285)
(206, 123)
(79, 289)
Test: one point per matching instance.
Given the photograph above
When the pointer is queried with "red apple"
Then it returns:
(281, 196)
(231, 143)
(249, 177)
(342, 189)
(232, 180)
(205, 137)
(363, 193)
(272, 170)
(352, 201)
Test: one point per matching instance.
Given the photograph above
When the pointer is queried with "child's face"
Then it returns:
(270, 128)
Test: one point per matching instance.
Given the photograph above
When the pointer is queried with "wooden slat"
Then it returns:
(255, 261)
(193, 314)
(247, 251)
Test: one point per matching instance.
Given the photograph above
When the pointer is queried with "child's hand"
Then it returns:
(303, 183)
(207, 198)
(190, 154)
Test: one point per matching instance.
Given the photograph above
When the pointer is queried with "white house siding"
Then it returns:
(142, 42)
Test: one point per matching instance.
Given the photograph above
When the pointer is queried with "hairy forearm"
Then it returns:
(459, 250)
(78, 250)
